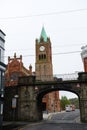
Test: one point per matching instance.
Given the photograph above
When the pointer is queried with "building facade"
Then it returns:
(84, 57)
(16, 97)
(44, 70)
(2, 72)
(14, 70)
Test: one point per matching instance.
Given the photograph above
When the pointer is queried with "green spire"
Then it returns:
(43, 35)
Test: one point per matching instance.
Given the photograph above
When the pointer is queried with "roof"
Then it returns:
(43, 35)
(2, 32)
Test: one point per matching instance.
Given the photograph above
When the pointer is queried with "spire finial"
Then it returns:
(15, 55)
(43, 35)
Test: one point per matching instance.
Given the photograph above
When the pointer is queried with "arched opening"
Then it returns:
(73, 99)
(69, 102)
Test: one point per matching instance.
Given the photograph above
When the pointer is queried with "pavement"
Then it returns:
(45, 117)
(17, 125)
(21, 125)
(48, 116)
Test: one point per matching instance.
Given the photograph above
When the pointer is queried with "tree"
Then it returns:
(75, 101)
(63, 102)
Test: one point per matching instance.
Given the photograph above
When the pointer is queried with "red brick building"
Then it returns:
(15, 69)
(84, 57)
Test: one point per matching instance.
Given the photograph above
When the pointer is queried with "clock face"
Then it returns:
(42, 48)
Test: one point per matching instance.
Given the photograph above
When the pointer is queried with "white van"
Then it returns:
(68, 108)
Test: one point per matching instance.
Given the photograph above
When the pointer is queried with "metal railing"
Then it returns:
(64, 77)
(69, 76)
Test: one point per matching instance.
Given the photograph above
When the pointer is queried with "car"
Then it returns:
(68, 108)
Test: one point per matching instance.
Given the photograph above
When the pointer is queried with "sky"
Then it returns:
(65, 22)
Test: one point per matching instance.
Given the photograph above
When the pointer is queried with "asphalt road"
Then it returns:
(66, 117)
(53, 126)
(59, 121)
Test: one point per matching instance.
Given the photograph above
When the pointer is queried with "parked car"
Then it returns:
(69, 108)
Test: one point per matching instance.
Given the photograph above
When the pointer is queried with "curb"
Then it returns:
(29, 125)
(77, 120)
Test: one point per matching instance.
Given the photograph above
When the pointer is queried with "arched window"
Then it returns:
(39, 57)
(42, 56)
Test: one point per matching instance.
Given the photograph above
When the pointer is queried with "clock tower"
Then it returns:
(43, 65)
(44, 71)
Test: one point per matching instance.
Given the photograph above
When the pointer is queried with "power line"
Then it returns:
(62, 53)
(43, 14)
(67, 45)
(67, 52)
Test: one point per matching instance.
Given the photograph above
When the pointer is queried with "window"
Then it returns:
(0, 80)
(0, 54)
(42, 56)
(14, 76)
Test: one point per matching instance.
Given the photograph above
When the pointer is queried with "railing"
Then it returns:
(69, 76)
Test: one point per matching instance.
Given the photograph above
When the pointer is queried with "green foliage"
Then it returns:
(63, 102)
(75, 101)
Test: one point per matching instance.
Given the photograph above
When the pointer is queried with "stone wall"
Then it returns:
(26, 107)
(9, 112)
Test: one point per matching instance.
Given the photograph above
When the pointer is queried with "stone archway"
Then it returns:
(78, 86)
(40, 95)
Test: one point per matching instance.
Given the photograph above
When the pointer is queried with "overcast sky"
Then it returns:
(65, 22)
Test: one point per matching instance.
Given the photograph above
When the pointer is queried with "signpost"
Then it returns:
(14, 102)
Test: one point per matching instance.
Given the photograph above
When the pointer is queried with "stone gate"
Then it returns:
(29, 93)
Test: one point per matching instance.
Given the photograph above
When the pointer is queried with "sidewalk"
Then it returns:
(49, 115)
(13, 125)
(21, 125)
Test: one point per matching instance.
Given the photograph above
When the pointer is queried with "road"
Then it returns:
(60, 126)
(59, 121)
(66, 117)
